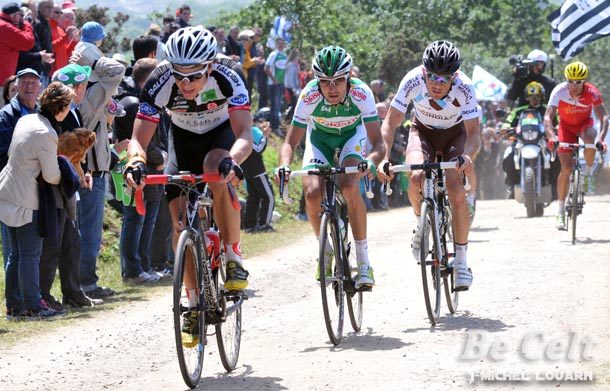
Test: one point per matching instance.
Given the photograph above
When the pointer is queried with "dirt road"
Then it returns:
(533, 291)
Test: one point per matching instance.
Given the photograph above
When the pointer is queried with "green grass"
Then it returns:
(287, 230)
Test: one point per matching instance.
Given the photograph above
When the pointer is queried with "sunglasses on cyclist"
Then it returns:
(442, 79)
(333, 82)
(179, 76)
(576, 82)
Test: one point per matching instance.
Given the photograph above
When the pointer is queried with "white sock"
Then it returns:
(589, 171)
(233, 251)
(562, 207)
(362, 253)
(460, 254)
(192, 298)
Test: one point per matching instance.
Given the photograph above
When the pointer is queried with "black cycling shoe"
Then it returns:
(237, 277)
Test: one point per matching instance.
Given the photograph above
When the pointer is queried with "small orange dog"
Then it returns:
(74, 145)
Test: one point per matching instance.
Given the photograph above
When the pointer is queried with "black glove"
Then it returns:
(227, 164)
(137, 169)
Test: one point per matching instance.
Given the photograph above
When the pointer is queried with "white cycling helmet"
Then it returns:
(537, 55)
(191, 46)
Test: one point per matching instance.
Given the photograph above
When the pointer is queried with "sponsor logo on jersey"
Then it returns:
(409, 86)
(230, 74)
(208, 95)
(466, 92)
(325, 108)
(470, 111)
(147, 109)
(311, 97)
(212, 105)
(438, 116)
(315, 161)
(239, 100)
(338, 124)
(358, 94)
(159, 83)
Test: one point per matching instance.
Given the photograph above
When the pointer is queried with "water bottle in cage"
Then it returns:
(212, 244)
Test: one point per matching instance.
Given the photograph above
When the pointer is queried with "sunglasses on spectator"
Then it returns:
(442, 79)
(332, 82)
(577, 82)
(179, 76)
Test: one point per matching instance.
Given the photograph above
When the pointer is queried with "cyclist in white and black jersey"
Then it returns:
(446, 122)
(210, 132)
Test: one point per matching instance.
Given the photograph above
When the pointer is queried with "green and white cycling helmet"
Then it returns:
(332, 62)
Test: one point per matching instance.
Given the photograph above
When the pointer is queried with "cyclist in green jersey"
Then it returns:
(337, 112)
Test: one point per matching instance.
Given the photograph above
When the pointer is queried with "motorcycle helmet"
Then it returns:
(534, 88)
(441, 57)
(576, 71)
(537, 55)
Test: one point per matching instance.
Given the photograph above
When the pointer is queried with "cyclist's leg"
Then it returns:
(416, 151)
(588, 136)
(565, 135)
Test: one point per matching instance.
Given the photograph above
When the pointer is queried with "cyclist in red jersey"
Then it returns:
(574, 100)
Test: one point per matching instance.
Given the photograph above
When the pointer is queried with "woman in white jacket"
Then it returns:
(33, 152)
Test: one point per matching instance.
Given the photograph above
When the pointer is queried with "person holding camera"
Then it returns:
(526, 71)
(15, 35)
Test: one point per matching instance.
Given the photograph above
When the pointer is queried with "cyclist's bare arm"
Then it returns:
(373, 131)
(143, 132)
(392, 120)
(241, 123)
(473, 142)
(293, 138)
(551, 112)
(602, 116)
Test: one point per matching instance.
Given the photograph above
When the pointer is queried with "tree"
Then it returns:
(113, 27)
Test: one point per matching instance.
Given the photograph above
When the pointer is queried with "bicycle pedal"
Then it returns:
(460, 289)
(365, 288)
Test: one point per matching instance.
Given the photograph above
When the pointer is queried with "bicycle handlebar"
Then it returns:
(181, 180)
(322, 171)
(576, 146)
(426, 166)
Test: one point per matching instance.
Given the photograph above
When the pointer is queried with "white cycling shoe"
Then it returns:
(463, 277)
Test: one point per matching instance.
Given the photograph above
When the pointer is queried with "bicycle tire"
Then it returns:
(430, 278)
(574, 195)
(190, 359)
(451, 295)
(331, 288)
(355, 301)
(228, 333)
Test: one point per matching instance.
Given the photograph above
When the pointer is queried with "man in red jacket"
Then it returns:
(15, 35)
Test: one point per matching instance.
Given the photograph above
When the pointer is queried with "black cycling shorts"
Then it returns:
(187, 151)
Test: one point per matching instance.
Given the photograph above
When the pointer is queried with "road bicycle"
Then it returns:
(436, 237)
(336, 272)
(200, 249)
(576, 195)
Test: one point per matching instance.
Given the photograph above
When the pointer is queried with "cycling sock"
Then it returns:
(233, 251)
(460, 253)
(562, 207)
(362, 252)
(589, 171)
(191, 297)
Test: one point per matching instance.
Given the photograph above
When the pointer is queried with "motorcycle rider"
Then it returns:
(535, 93)
(535, 72)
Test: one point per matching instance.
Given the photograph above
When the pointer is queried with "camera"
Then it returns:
(521, 65)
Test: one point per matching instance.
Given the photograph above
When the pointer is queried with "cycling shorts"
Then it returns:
(320, 147)
(570, 133)
(187, 151)
(447, 142)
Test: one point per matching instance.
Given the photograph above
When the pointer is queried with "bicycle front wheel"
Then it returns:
(429, 263)
(190, 347)
(331, 279)
(574, 198)
(451, 295)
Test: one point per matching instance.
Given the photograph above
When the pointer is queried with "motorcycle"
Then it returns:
(533, 161)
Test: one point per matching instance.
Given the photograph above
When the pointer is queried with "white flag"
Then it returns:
(577, 23)
(487, 86)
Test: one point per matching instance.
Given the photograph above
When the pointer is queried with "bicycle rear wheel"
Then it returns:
(332, 285)
(228, 332)
(574, 198)
(429, 263)
(355, 303)
(190, 350)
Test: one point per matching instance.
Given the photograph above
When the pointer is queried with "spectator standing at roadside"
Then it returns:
(183, 15)
(64, 38)
(259, 70)
(10, 89)
(15, 35)
(275, 68)
(292, 82)
(33, 153)
(250, 58)
(28, 88)
(42, 27)
(233, 48)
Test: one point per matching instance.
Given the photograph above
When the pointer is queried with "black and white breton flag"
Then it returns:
(577, 23)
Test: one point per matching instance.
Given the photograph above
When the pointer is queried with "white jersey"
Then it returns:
(458, 105)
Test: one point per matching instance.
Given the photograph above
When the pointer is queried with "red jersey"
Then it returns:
(574, 112)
